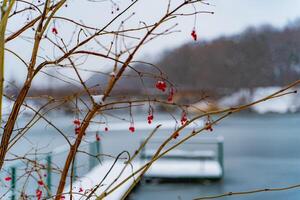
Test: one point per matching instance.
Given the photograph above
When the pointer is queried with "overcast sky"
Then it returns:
(231, 17)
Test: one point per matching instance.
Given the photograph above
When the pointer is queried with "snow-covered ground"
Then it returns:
(181, 168)
(81, 188)
(283, 104)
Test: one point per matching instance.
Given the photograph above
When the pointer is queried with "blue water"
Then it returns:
(260, 151)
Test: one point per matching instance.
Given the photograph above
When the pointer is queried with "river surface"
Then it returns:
(260, 151)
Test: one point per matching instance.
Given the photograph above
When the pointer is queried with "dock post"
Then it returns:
(98, 149)
(49, 173)
(74, 169)
(94, 151)
(13, 183)
(221, 155)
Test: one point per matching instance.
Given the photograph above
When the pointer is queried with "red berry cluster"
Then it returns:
(161, 85)
(183, 118)
(38, 194)
(76, 122)
(171, 94)
(150, 117)
(194, 34)
(54, 31)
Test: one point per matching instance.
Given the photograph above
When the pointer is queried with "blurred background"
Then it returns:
(245, 51)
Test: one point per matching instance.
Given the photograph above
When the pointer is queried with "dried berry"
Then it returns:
(97, 137)
(175, 135)
(208, 126)
(194, 35)
(183, 118)
(54, 31)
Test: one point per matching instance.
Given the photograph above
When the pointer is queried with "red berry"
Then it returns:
(54, 31)
(161, 85)
(208, 126)
(194, 35)
(8, 178)
(150, 118)
(106, 128)
(80, 189)
(40, 182)
(97, 137)
(131, 129)
(77, 130)
(171, 94)
(76, 122)
(38, 193)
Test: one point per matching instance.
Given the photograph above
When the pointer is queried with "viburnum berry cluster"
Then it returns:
(150, 115)
(183, 119)
(38, 194)
(77, 123)
(161, 85)
(150, 118)
(208, 126)
(171, 94)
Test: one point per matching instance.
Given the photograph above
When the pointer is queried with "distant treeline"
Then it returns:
(258, 57)
(263, 56)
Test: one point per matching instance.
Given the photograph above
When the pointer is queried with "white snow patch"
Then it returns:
(283, 104)
(143, 125)
(176, 168)
(94, 177)
(237, 98)
(98, 98)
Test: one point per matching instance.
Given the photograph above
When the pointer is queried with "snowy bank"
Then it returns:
(82, 187)
(283, 104)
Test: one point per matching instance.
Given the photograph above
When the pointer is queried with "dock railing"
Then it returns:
(210, 148)
(24, 174)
